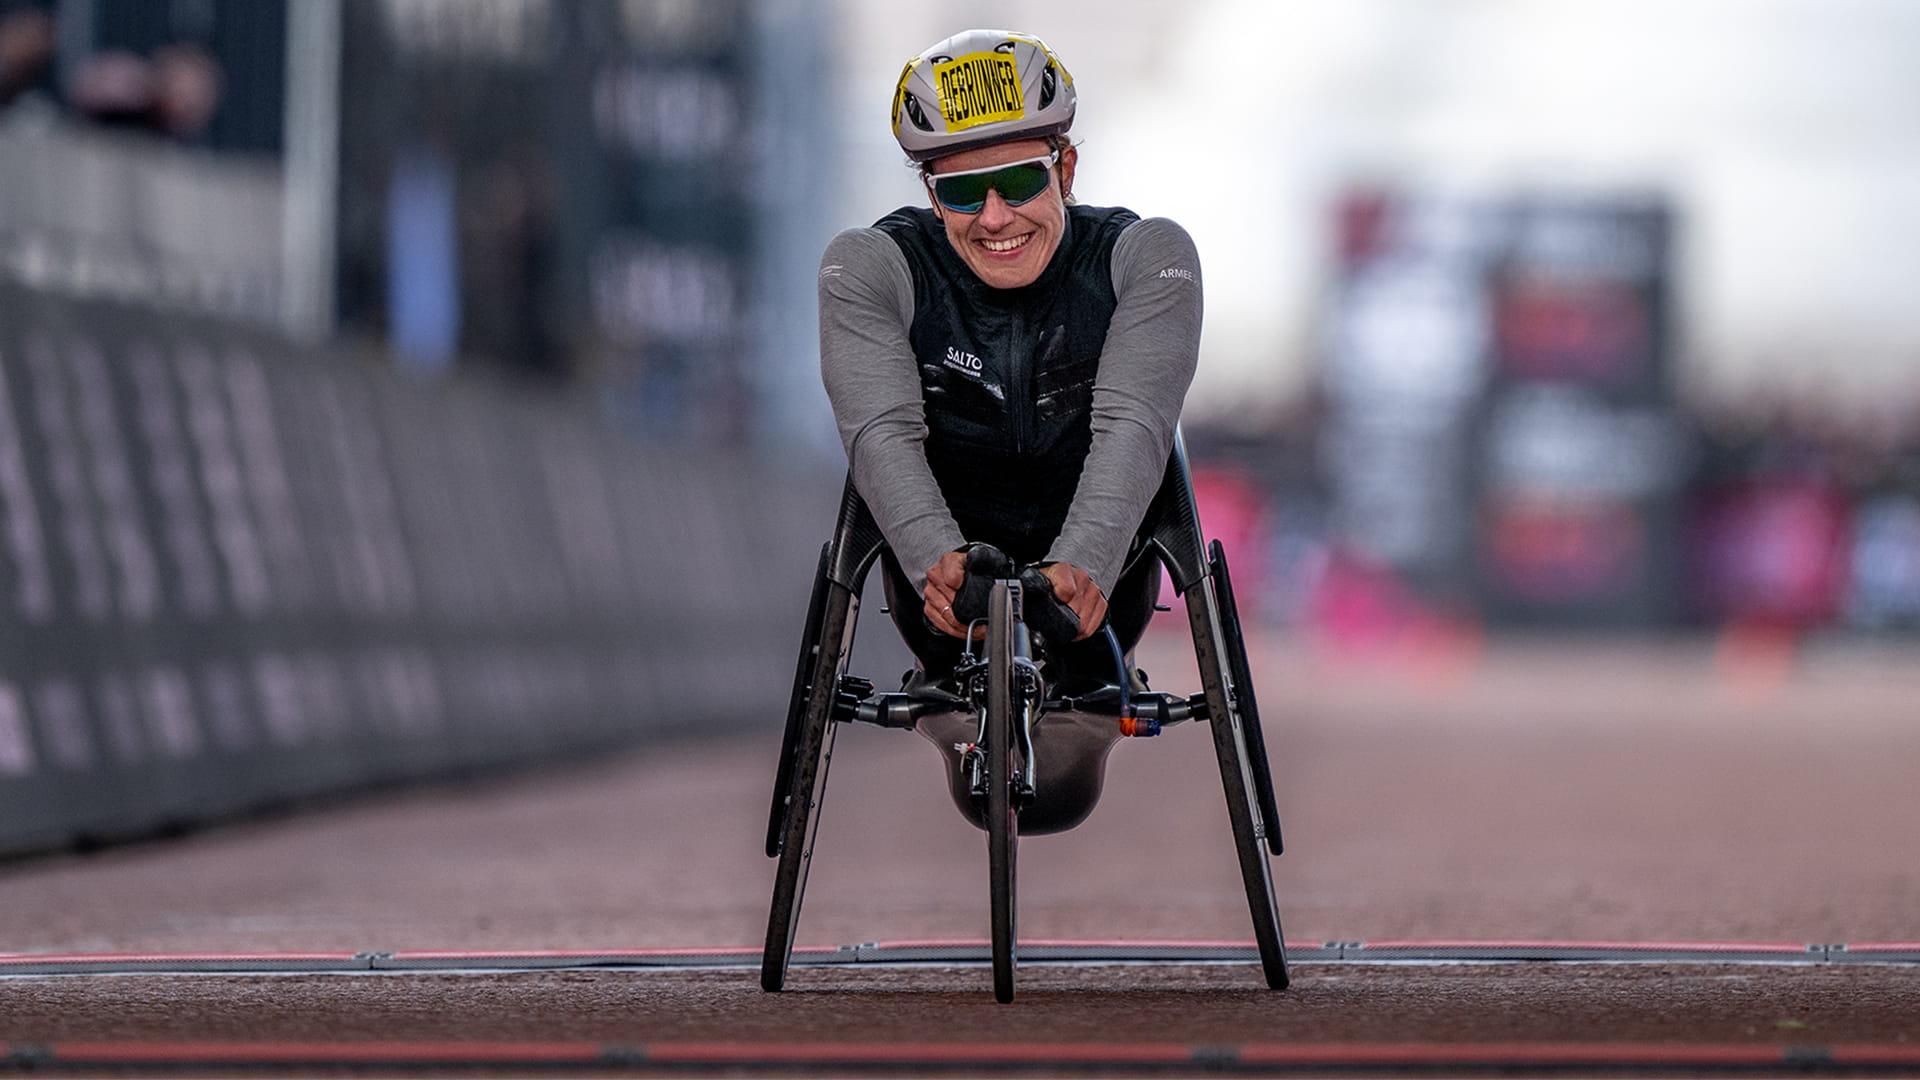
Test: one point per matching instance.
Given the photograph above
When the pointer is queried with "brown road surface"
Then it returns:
(1589, 790)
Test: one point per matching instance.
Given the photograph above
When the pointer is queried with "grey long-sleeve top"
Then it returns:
(873, 380)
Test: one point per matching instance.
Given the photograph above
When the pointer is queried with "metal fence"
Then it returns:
(234, 573)
(100, 214)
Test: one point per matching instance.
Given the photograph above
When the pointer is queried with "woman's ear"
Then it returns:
(1069, 157)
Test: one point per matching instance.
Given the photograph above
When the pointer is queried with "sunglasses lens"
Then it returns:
(1019, 183)
(1015, 183)
(966, 194)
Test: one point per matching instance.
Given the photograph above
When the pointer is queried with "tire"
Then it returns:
(796, 707)
(1236, 776)
(1003, 822)
(813, 752)
(1245, 703)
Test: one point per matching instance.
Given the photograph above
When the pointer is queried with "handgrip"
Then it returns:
(985, 565)
(1046, 616)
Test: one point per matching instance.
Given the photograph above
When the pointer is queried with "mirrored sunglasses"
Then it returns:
(1017, 182)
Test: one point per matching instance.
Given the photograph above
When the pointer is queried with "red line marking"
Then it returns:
(1098, 943)
(1511, 1053)
(227, 1052)
(568, 954)
(157, 958)
(1162, 943)
(917, 1053)
(1797, 948)
(1148, 943)
(1508, 1054)
(1628, 946)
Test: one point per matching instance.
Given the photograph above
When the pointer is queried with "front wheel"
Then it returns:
(1003, 821)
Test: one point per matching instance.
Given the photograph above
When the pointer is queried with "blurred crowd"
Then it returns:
(1858, 451)
(172, 90)
(1803, 514)
(1793, 514)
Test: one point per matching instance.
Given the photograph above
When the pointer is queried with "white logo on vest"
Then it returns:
(961, 360)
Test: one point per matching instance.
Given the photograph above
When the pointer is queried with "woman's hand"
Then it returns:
(1074, 587)
(944, 579)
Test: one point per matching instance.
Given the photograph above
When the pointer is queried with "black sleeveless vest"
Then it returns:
(1007, 374)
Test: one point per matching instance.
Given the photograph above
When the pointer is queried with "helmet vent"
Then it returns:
(914, 112)
(1047, 86)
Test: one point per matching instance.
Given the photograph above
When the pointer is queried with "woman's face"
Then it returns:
(1007, 246)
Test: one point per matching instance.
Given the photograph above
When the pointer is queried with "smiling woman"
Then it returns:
(1050, 438)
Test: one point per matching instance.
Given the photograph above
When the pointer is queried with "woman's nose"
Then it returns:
(996, 214)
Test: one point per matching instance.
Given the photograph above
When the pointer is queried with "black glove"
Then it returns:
(1046, 616)
(985, 565)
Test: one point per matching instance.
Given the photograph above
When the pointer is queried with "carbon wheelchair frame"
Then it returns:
(1002, 689)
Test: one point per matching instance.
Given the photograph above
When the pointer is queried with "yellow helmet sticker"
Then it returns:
(900, 93)
(979, 88)
(1065, 75)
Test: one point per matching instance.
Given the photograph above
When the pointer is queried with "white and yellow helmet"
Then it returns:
(979, 87)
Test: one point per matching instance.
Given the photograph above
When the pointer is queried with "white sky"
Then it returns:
(1785, 132)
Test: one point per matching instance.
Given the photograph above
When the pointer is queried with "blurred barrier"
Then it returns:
(100, 214)
(233, 574)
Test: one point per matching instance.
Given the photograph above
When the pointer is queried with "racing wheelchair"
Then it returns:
(1022, 758)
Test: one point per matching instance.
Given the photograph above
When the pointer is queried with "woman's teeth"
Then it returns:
(1009, 244)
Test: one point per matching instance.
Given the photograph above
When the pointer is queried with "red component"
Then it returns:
(1561, 553)
(1593, 331)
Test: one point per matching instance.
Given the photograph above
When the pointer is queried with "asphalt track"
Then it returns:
(1672, 795)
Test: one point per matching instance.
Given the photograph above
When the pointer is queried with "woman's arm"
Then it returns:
(868, 367)
(1152, 348)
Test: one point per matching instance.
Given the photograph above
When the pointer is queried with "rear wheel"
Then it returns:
(813, 752)
(797, 707)
(1245, 706)
(1237, 777)
(1003, 822)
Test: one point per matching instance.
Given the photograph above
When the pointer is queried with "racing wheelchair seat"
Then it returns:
(1019, 761)
(1069, 765)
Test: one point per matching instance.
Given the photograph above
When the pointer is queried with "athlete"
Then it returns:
(1007, 366)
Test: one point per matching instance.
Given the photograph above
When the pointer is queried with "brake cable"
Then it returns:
(1120, 673)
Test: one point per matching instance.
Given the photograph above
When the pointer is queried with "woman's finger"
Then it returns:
(1088, 614)
(941, 616)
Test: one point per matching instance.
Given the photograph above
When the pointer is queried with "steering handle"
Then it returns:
(1045, 615)
(985, 565)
